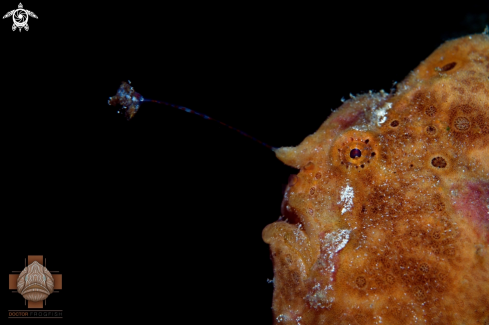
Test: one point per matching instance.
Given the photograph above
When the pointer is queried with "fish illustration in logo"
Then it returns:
(35, 283)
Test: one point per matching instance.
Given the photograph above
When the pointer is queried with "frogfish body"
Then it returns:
(387, 221)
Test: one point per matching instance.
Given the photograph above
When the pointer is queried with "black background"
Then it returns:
(161, 217)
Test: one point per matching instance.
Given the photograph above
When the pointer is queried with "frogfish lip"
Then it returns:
(35, 287)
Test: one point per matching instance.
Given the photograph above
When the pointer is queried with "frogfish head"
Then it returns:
(35, 282)
(387, 220)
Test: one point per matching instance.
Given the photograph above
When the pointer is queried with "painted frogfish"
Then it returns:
(387, 221)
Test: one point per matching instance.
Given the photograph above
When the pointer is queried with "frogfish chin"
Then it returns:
(387, 221)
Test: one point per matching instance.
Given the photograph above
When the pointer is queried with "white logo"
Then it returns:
(20, 17)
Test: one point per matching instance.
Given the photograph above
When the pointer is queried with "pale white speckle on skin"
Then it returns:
(341, 239)
(331, 244)
(379, 115)
(346, 198)
(363, 127)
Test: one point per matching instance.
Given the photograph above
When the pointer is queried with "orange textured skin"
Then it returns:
(399, 235)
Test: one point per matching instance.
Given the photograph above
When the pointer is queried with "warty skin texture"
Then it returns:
(399, 234)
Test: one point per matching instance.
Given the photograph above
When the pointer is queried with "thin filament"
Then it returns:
(131, 100)
(188, 110)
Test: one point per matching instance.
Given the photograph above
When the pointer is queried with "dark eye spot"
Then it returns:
(366, 141)
(355, 153)
(431, 130)
(439, 162)
(373, 154)
(448, 66)
(394, 123)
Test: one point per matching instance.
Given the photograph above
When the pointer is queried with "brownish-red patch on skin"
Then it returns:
(346, 121)
(473, 204)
